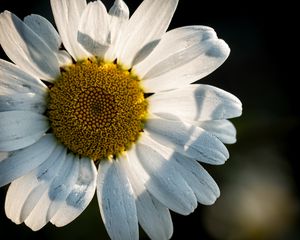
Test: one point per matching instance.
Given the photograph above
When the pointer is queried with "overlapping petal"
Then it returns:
(205, 188)
(196, 102)
(160, 177)
(93, 30)
(222, 129)
(188, 140)
(19, 163)
(80, 194)
(183, 56)
(58, 191)
(153, 216)
(67, 15)
(25, 192)
(144, 29)
(119, 16)
(25, 48)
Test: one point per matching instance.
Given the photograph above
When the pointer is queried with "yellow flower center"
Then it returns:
(97, 109)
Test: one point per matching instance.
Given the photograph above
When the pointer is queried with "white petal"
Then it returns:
(23, 102)
(153, 163)
(64, 58)
(222, 129)
(24, 193)
(153, 216)
(80, 196)
(27, 49)
(16, 196)
(41, 178)
(189, 140)
(116, 201)
(196, 102)
(119, 16)
(67, 14)
(3, 156)
(179, 59)
(55, 194)
(146, 26)
(44, 29)
(93, 32)
(63, 185)
(20, 91)
(14, 80)
(179, 45)
(203, 185)
(19, 129)
(19, 163)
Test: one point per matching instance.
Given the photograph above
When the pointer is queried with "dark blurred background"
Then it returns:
(259, 183)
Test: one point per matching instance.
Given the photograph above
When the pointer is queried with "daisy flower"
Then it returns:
(106, 105)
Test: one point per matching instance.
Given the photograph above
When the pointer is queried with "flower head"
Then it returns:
(107, 105)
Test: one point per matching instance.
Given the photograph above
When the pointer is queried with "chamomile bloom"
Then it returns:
(112, 111)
